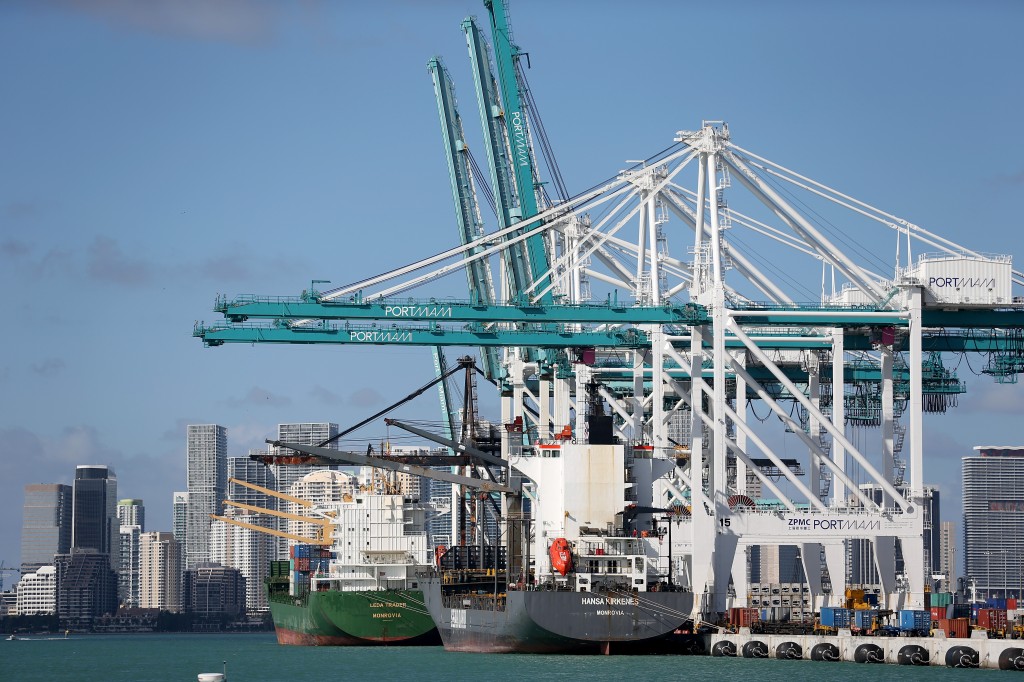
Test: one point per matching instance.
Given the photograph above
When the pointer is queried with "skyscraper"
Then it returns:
(993, 489)
(45, 525)
(248, 550)
(128, 566)
(94, 521)
(207, 474)
(947, 555)
(179, 518)
(306, 433)
(131, 513)
(159, 572)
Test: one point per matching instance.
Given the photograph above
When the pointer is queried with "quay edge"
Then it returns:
(998, 654)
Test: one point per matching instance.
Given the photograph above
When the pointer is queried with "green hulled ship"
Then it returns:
(354, 618)
(362, 589)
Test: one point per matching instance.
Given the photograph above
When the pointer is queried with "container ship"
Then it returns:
(357, 587)
(586, 571)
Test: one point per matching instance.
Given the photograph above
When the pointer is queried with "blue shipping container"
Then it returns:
(864, 618)
(871, 599)
(915, 620)
(834, 617)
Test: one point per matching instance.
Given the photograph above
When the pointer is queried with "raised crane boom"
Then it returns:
(467, 209)
(506, 58)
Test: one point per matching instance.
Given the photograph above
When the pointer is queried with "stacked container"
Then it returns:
(835, 617)
(993, 620)
(864, 619)
(955, 627)
(914, 621)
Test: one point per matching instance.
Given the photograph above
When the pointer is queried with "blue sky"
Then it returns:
(153, 155)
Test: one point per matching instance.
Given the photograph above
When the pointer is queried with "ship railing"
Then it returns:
(475, 602)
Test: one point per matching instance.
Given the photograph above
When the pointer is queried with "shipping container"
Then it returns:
(1011, 604)
(960, 610)
(996, 604)
(942, 599)
(743, 617)
(938, 612)
(992, 619)
(834, 617)
(955, 627)
(912, 620)
(865, 618)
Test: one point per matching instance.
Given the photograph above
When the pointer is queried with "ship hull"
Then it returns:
(353, 618)
(560, 622)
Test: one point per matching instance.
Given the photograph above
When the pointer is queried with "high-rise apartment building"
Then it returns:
(179, 516)
(131, 513)
(306, 433)
(993, 493)
(128, 566)
(94, 519)
(45, 525)
(947, 556)
(207, 474)
(248, 550)
(159, 572)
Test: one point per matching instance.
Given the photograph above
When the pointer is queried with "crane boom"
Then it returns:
(381, 463)
(280, 514)
(506, 57)
(467, 209)
(323, 541)
(273, 493)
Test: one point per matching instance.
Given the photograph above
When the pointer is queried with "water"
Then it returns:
(258, 658)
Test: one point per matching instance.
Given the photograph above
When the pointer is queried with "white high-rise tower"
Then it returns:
(207, 479)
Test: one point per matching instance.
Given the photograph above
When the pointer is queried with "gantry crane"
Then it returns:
(866, 355)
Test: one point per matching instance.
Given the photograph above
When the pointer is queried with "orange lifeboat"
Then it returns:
(438, 553)
(561, 557)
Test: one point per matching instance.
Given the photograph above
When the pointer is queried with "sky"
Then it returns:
(154, 155)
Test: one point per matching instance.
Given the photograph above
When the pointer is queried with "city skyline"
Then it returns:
(159, 160)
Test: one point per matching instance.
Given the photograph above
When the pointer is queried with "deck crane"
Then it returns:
(322, 524)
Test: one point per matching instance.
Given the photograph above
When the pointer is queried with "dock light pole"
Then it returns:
(988, 571)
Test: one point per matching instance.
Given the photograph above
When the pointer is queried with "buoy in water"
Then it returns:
(214, 677)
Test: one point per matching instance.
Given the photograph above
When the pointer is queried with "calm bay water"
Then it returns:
(258, 658)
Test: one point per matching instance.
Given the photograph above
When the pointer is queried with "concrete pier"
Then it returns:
(975, 652)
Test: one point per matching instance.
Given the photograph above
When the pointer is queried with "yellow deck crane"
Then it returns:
(323, 531)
